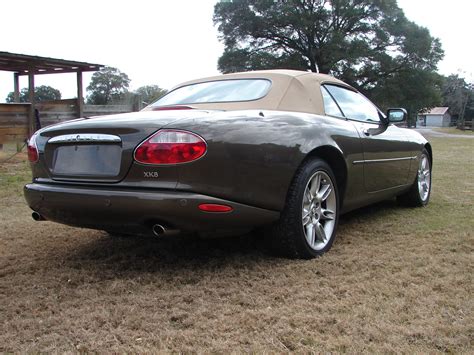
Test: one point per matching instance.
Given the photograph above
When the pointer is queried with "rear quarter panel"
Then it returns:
(252, 155)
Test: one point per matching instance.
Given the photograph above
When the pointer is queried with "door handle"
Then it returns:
(366, 132)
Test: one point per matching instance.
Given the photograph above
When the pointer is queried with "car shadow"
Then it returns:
(167, 254)
(153, 254)
(376, 210)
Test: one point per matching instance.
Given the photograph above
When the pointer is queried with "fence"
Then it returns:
(13, 122)
(14, 119)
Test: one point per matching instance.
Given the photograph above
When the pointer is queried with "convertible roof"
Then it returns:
(291, 90)
(270, 74)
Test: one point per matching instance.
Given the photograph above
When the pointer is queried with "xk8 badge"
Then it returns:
(150, 174)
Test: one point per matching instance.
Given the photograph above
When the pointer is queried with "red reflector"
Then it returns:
(214, 207)
(170, 147)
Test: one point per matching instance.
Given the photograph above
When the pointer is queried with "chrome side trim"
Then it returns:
(86, 137)
(382, 160)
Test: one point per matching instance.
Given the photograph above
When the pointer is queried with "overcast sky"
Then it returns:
(167, 42)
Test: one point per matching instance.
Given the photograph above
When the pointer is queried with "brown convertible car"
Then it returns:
(285, 150)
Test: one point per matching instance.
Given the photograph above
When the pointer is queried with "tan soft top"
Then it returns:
(291, 90)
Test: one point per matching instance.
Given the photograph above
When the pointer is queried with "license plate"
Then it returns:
(87, 160)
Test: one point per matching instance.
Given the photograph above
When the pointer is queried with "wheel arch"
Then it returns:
(427, 146)
(335, 159)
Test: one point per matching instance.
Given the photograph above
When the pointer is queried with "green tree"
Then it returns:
(150, 93)
(367, 43)
(109, 85)
(42, 93)
(414, 89)
(458, 95)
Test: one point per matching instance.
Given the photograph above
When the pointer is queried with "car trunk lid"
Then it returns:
(101, 149)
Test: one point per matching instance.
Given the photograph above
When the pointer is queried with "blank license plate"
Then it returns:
(87, 160)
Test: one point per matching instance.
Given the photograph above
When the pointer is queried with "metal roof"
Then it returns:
(25, 64)
(437, 111)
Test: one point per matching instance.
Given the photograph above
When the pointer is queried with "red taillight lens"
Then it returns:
(170, 147)
(214, 207)
(33, 155)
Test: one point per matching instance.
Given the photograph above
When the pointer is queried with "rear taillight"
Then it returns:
(170, 147)
(32, 149)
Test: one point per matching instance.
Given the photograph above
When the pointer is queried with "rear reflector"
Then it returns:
(214, 207)
(169, 146)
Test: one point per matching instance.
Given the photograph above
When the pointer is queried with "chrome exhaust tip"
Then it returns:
(37, 217)
(158, 230)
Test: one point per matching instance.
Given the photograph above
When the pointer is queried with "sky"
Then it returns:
(158, 42)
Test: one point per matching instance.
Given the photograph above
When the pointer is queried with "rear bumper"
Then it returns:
(137, 209)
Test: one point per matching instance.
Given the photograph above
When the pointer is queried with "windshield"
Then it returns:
(216, 91)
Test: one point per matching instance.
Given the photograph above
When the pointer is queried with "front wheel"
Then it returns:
(307, 226)
(420, 191)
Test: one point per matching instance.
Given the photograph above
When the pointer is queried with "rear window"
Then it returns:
(217, 91)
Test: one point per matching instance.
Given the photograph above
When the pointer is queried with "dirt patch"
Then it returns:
(396, 280)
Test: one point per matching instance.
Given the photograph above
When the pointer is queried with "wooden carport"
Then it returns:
(21, 64)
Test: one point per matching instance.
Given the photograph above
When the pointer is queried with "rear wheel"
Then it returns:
(307, 226)
(420, 191)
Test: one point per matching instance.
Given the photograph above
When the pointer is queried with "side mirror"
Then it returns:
(396, 115)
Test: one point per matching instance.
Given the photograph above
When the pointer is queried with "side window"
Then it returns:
(330, 106)
(354, 105)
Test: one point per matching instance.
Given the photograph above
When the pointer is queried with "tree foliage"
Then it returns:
(150, 93)
(42, 93)
(367, 43)
(413, 89)
(109, 85)
(458, 95)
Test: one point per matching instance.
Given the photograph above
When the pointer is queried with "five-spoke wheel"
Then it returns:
(307, 226)
(319, 206)
(424, 177)
(419, 193)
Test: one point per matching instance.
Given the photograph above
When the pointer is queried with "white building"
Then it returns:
(436, 117)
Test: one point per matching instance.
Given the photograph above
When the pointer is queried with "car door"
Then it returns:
(387, 155)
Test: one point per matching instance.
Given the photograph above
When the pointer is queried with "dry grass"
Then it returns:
(454, 130)
(396, 280)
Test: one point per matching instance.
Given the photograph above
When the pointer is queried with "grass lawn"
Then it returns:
(454, 130)
(397, 280)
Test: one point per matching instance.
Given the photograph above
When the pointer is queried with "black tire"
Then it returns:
(416, 197)
(288, 236)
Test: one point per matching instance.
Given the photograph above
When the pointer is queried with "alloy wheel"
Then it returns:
(424, 178)
(319, 210)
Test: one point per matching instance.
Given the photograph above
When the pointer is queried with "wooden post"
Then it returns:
(16, 87)
(80, 98)
(136, 105)
(31, 99)
(16, 98)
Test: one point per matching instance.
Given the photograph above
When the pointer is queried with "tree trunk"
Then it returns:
(312, 64)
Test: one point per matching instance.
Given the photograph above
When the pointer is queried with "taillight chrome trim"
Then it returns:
(169, 130)
(85, 138)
